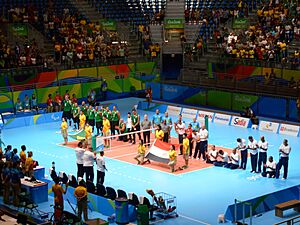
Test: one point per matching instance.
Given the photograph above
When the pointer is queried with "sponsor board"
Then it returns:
(222, 118)
(268, 126)
(174, 110)
(240, 121)
(189, 113)
(289, 129)
(202, 114)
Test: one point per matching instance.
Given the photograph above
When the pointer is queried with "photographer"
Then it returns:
(58, 191)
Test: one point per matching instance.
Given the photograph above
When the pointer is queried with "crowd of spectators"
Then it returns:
(269, 39)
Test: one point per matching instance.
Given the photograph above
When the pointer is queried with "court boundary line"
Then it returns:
(194, 220)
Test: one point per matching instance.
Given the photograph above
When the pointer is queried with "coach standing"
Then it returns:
(203, 133)
(242, 147)
(262, 157)
(146, 126)
(284, 151)
(79, 150)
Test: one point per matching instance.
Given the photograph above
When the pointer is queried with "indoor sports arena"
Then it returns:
(171, 112)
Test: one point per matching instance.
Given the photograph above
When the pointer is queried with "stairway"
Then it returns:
(86, 9)
(175, 9)
(156, 33)
(191, 32)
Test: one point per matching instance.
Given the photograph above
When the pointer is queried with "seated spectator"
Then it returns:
(49, 104)
(26, 103)
(271, 168)
(15, 158)
(33, 103)
(19, 105)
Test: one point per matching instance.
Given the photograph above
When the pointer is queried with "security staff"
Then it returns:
(242, 147)
(284, 151)
(262, 156)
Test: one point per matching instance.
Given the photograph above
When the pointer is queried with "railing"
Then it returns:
(292, 221)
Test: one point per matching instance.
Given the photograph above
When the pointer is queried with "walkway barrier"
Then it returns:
(292, 221)
(243, 205)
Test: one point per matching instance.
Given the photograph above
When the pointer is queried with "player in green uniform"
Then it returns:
(67, 109)
(75, 113)
(91, 116)
(99, 120)
(135, 118)
(115, 117)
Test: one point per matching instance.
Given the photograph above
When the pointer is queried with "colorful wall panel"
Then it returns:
(219, 99)
(73, 89)
(43, 93)
(46, 78)
(88, 72)
(86, 88)
(65, 74)
(242, 100)
(6, 101)
(21, 94)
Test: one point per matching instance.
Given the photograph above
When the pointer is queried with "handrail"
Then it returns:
(290, 221)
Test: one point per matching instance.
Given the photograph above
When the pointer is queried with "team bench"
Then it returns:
(279, 208)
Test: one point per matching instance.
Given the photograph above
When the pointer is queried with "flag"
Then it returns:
(159, 151)
(80, 135)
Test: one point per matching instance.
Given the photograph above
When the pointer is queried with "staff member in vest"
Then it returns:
(106, 130)
(242, 147)
(180, 129)
(234, 160)
(262, 156)
(252, 146)
(270, 168)
(122, 130)
(99, 120)
(115, 117)
(75, 112)
(172, 158)
(100, 168)
(156, 118)
(135, 124)
(195, 125)
(203, 134)
(91, 117)
(88, 164)
(284, 151)
(67, 109)
(146, 126)
(79, 150)
(64, 130)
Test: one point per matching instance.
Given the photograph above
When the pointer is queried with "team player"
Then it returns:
(115, 118)
(82, 120)
(99, 120)
(242, 147)
(64, 130)
(88, 134)
(185, 151)
(234, 160)
(75, 113)
(67, 109)
(106, 130)
(91, 117)
(172, 158)
(224, 159)
(156, 119)
(270, 168)
(284, 151)
(203, 134)
(262, 156)
(135, 124)
(212, 155)
(252, 146)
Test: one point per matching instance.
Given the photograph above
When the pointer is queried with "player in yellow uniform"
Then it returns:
(159, 134)
(185, 151)
(172, 158)
(82, 120)
(64, 130)
(106, 130)
(88, 134)
(141, 153)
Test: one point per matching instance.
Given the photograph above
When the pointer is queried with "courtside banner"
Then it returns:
(189, 113)
(202, 114)
(159, 151)
(240, 122)
(222, 118)
(174, 110)
(268, 126)
(289, 129)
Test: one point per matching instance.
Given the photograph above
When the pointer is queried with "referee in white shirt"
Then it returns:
(252, 146)
(203, 133)
(88, 164)
(262, 156)
(100, 168)
(284, 151)
(79, 150)
(242, 147)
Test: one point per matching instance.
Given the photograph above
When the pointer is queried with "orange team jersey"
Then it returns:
(106, 125)
(88, 132)
(82, 120)
(159, 134)
(141, 149)
(23, 156)
(172, 155)
(29, 164)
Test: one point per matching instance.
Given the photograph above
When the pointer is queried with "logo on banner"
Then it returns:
(173, 110)
(170, 89)
(268, 126)
(189, 113)
(202, 114)
(55, 118)
(240, 122)
(289, 129)
(222, 118)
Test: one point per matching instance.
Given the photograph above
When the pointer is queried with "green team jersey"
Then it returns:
(107, 114)
(91, 114)
(134, 119)
(83, 109)
(120, 126)
(114, 115)
(75, 110)
(99, 116)
(67, 105)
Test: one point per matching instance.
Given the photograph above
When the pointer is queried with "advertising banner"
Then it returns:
(189, 113)
(240, 121)
(109, 24)
(174, 24)
(202, 114)
(20, 30)
(240, 23)
(173, 110)
(222, 118)
(268, 126)
(289, 129)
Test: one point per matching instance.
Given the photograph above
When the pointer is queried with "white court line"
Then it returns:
(194, 220)
(120, 156)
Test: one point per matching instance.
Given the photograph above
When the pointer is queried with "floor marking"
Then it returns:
(192, 219)
(120, 156)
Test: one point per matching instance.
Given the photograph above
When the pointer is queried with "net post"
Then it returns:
(206, 121)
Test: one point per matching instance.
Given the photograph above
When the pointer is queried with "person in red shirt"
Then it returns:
(74, 99)
(49, 104)
(189, 135)
(58, 101)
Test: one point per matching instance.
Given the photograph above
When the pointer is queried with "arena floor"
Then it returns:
(202, 194)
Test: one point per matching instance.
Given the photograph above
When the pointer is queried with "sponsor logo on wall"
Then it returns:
(289, 129)
(268, 126)
(222, 118)
(202, 114)
(240, 121)
(174, 110)
(189, 113)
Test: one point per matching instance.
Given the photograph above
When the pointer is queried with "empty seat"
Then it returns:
(111, 193)
(101, 191)
(121, 194)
